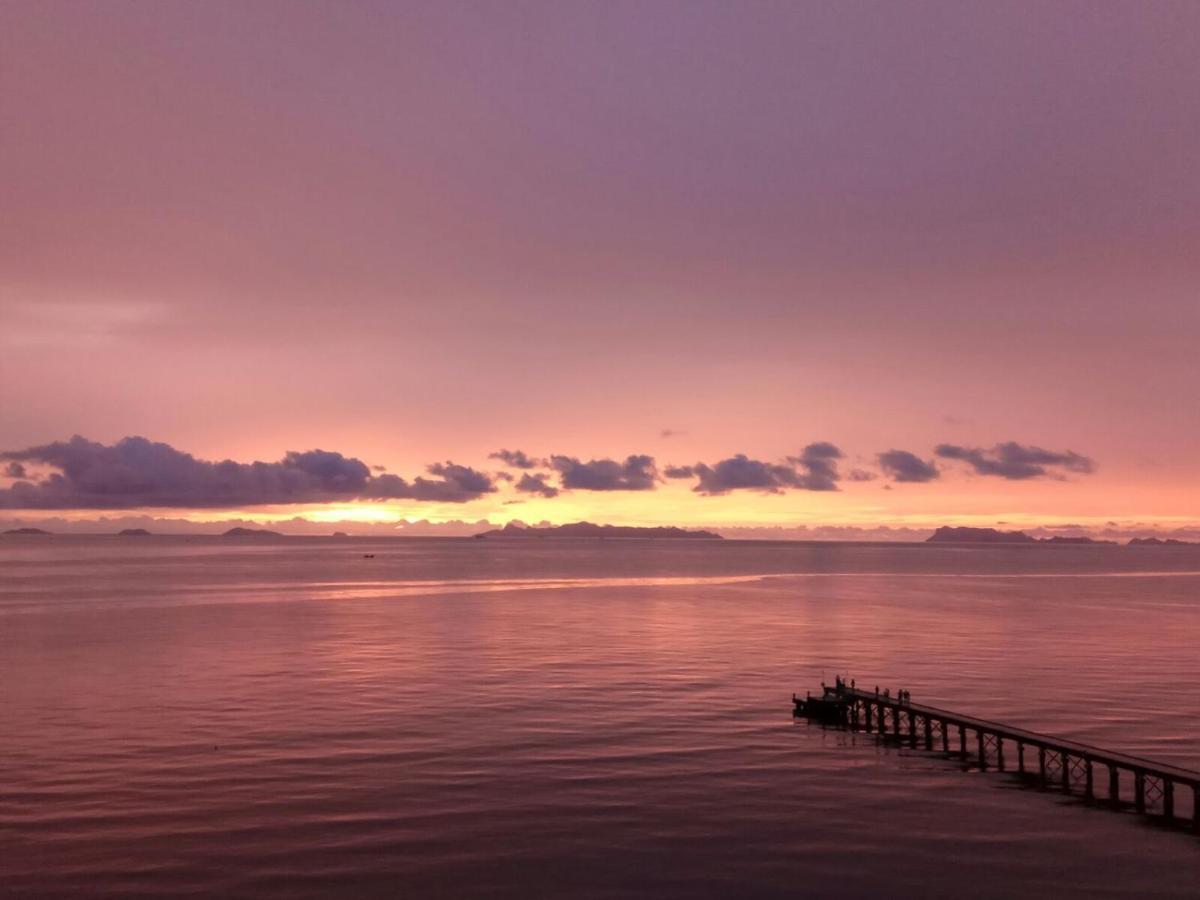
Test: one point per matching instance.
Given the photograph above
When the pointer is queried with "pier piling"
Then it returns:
(847, 706)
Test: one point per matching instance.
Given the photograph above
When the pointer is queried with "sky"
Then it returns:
(791, 265)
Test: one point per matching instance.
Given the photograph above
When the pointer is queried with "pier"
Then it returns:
(1052, 760)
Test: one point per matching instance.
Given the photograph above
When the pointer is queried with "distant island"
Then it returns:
(1159, 542)
(589, 530)
(949, 534)
(27, 531)
(133, 532)
(250, 532)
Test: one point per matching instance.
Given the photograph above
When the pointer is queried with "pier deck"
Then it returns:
(1064, 761)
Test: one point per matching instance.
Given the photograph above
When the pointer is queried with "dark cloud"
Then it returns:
(679, 472)
(453, 484)
(517, 459)
(1016, 461)
(739, 473)
(900, 465)
(15, 470)
(136, 472)
(536, 484)
(817, 465)
(861, 475)
(637, 473)
(815, 469)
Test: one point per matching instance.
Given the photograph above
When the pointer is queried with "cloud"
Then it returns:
(15, 470)
(670, 433)
(637, 473)
(136, 472)
(900, 465)
(739, 472)
(536, 484)
(861, 475)
(453, 484)
(517, 459)
(815, 469)
(818, 467)
(679, 472)
(1016, 461)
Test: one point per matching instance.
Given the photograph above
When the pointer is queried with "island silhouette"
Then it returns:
(590, 530)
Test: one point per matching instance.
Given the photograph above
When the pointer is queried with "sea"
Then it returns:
(386, 717)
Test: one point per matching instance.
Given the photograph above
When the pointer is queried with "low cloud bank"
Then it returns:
(139, 473)
(136, 472)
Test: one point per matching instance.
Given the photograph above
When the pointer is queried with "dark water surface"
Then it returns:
(602, 719)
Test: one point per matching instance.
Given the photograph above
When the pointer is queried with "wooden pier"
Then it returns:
(1054, 761)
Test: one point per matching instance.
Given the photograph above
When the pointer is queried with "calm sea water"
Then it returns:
(597, 719)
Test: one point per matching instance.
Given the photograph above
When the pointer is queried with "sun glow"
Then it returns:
(361, 512)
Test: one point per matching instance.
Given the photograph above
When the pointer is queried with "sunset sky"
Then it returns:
(701, 263)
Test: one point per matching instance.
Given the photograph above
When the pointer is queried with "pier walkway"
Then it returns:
(1058, 760)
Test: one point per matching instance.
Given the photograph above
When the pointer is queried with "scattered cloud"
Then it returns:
(739, 472)
(1016, 461)
(15, 470)
(637, 473)
(815, 469)
(860, 475)
(900, 465)
(136, 472)
(518, 459)
(670, 433)
(817, 464)
(679, 472)
(536, 484)
(453, 484)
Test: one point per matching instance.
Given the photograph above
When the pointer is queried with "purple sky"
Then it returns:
(414, 233)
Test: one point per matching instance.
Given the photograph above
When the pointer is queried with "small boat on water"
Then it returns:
(830, 706)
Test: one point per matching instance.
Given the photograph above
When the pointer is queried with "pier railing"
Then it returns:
(1058, 760)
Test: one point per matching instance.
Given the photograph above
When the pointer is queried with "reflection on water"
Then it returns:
(607, 719)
